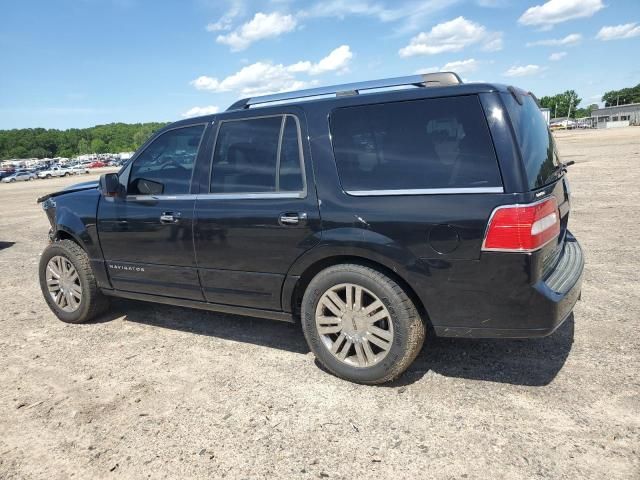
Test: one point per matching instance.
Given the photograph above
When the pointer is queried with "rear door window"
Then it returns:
(415, 145)
(258, 155)
(535, 140)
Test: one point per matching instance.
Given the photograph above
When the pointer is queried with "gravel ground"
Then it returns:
(162, 392)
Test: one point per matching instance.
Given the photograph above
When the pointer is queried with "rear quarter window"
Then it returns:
(414, 145)
(534, 139)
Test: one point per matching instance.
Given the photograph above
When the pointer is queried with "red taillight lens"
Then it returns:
(522, 228)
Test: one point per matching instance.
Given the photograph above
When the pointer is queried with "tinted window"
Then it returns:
(535, 140)
(165, 166)
(434, 143)
(246, 156)
(290, 161)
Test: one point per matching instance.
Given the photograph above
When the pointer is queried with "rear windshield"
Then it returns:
(419, 144)
(535, 140)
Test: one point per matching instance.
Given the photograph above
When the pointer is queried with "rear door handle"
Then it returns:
(292, 219)
(170, 217)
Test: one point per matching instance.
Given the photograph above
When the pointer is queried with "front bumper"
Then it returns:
(549, 304)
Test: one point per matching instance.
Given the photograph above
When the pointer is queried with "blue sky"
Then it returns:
(78, 63)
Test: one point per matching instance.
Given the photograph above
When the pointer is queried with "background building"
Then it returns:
(616, 116)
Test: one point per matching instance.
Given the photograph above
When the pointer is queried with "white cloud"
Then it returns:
(617, 32)
(197, 111)
(411, 13)
(452, 36)
(554, 57)
(262, 25)
(458, 66)
(224, 23)
(557, 11)
(492, 3)
(569, 41)
(261, 78)
(337, 60)
(523, 71)
(427, 70)
(461, 66)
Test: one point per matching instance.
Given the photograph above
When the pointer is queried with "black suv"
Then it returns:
(372, 212)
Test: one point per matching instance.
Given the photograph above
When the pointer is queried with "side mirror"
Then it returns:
(110, 184)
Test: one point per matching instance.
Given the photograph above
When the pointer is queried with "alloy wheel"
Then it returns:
(354, 325)
(63, 283)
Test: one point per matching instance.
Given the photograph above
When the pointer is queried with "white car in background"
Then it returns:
(78, 169)
(19, 177)
(55, 172)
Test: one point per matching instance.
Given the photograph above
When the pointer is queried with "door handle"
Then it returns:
(170, 217)
(292, 219)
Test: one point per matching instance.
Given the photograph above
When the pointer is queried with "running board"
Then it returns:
(214, 307)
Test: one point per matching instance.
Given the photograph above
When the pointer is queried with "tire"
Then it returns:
(92, 302)
(367, 363)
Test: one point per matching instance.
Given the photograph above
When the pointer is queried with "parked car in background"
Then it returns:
(20, 176)
(78, 169)
(54, 172)
(97, 164)
(6, 173)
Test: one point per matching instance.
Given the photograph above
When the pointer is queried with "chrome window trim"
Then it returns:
(244, 195)
(152, 198)
(423, 191)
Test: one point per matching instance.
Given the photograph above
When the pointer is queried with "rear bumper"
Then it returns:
(548, 305)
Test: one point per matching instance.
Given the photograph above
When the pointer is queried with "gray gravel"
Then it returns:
(163, 392)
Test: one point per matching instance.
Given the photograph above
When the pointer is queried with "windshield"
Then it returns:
(535, 140)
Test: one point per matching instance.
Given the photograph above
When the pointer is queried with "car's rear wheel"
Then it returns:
(360, 324)
(68, 284)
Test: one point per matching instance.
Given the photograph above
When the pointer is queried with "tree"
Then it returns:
(40, 142)
(562, 104)
(83, 146)
(622, 97)
(98, 146)
(142, 135)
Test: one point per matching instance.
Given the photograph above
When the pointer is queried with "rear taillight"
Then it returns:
(522, 228)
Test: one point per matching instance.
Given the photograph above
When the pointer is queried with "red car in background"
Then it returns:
(97, 164)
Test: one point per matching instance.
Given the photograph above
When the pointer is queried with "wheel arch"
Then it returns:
(293, 293)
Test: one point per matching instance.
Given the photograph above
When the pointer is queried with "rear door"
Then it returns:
(258, 211)
(147, 237)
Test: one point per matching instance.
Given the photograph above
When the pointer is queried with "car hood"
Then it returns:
(72, 188)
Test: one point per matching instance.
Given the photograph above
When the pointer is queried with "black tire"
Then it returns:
(92, 302)
(408, 326)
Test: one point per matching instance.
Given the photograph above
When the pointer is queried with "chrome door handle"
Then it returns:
(292, 218)
(170, 217)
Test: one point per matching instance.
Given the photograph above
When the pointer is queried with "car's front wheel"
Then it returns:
(360, 324)
(68, 284)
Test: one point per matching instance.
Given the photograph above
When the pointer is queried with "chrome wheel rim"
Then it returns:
(354, 325)
(63, 283)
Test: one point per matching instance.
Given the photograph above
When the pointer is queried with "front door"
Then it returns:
(147, 236)
(260, 212)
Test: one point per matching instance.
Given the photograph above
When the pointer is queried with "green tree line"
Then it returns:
(49, 143)
(565, 104)
(622, 96)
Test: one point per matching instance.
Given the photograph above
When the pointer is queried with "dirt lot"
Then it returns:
(155, 391)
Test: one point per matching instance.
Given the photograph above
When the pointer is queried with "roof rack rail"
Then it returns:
(422, 80)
